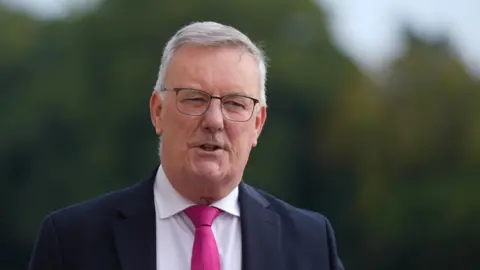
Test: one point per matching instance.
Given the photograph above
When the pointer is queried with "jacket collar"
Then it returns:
(135, 230)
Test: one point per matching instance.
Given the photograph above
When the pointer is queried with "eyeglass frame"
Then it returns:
(177, 89)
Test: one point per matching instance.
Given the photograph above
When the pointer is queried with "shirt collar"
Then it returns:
(169, 202)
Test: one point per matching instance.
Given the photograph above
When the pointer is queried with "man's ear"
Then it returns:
(156, 107)
(260, 118)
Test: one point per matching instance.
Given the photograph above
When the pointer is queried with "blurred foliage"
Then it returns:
(394, 165)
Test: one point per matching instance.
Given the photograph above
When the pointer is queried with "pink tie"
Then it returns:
(205, 252)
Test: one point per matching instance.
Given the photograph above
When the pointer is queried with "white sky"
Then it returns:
(367, 30)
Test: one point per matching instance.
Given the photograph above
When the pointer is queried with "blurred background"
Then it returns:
(373, 115)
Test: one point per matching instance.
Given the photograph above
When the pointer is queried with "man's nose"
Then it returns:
(213, 117)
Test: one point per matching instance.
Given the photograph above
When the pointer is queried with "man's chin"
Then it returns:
(209, 170)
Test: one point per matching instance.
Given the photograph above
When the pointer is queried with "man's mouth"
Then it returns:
(209, 147)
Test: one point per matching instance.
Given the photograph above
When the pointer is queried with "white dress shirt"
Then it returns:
(175, 232)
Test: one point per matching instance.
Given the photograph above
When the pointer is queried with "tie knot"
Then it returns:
(202, 215)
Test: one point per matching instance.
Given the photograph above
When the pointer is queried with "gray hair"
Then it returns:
(212, 34)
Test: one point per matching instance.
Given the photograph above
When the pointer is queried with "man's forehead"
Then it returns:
(190, 54)
(208, 65)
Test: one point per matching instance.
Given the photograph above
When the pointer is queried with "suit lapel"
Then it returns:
(260, 232)
(134, 230)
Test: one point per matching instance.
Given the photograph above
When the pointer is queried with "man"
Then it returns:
(194, 212)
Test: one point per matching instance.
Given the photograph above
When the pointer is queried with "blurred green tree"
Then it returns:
(413, 143)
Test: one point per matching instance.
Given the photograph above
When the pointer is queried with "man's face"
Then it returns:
(219, 71)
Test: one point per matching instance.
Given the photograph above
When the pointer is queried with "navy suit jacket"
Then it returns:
(117, 231)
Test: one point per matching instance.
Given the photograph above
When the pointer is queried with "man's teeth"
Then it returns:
(209, 147)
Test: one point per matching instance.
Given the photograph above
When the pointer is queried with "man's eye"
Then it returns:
(234, 104)
(199, 99)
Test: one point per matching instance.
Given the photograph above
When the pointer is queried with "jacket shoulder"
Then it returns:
(292, 213)
(98, 209)
(309, 232)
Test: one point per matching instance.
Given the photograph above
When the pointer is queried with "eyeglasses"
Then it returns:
(195, 102)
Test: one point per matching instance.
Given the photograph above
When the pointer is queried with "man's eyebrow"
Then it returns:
(238, 92)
